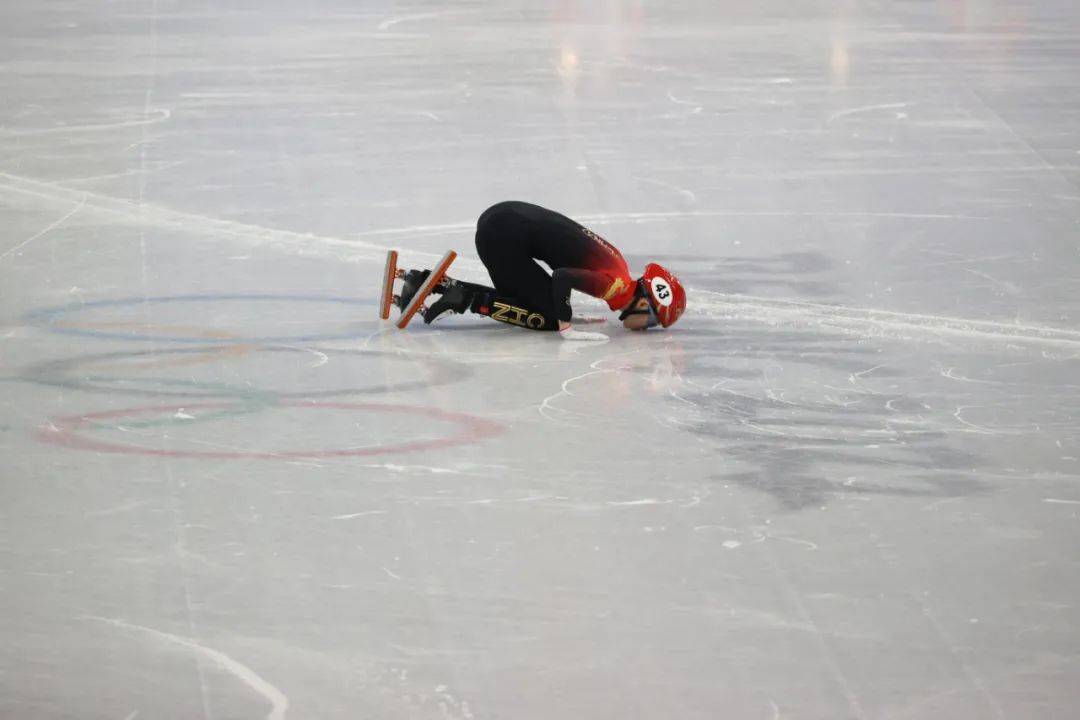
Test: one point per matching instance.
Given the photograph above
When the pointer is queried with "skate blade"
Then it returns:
(437, 274)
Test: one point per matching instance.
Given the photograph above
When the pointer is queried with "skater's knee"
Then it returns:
(500, 209)
(498, 228)
(501, 216)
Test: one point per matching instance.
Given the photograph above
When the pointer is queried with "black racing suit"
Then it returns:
(512, 236)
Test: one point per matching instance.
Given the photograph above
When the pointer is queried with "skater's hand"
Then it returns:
(569, 333)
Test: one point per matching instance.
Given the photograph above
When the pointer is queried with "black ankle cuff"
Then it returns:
(481, 302)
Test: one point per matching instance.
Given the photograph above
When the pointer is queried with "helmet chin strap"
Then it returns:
(640, 293)
(631, 307)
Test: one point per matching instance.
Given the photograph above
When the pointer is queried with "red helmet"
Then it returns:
(666, 293)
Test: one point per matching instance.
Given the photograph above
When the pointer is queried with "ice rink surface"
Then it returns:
(844, 486)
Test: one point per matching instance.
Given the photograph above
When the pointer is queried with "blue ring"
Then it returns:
(44, 318)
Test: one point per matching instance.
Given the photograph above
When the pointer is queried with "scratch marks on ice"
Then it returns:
(279, 703)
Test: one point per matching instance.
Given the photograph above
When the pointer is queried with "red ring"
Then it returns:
(62, 431)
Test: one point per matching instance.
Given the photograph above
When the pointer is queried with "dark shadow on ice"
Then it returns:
(806, 414)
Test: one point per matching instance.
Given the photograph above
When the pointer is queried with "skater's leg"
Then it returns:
(515, 312)
(461, 297)
(502, 242)
(523, 293)
(413, 279)
(472, 287)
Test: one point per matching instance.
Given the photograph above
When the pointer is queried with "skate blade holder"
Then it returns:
(438, 273)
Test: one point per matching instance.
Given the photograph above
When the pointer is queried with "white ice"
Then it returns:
(845, 485)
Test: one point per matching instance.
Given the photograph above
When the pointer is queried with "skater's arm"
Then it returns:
(563, 280)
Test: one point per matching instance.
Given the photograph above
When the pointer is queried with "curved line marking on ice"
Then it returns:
(546, 403)
(594, 369)
(279, 703)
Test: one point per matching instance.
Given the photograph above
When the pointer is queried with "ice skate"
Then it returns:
(455, 298)
(416, 286)
(412, 281)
